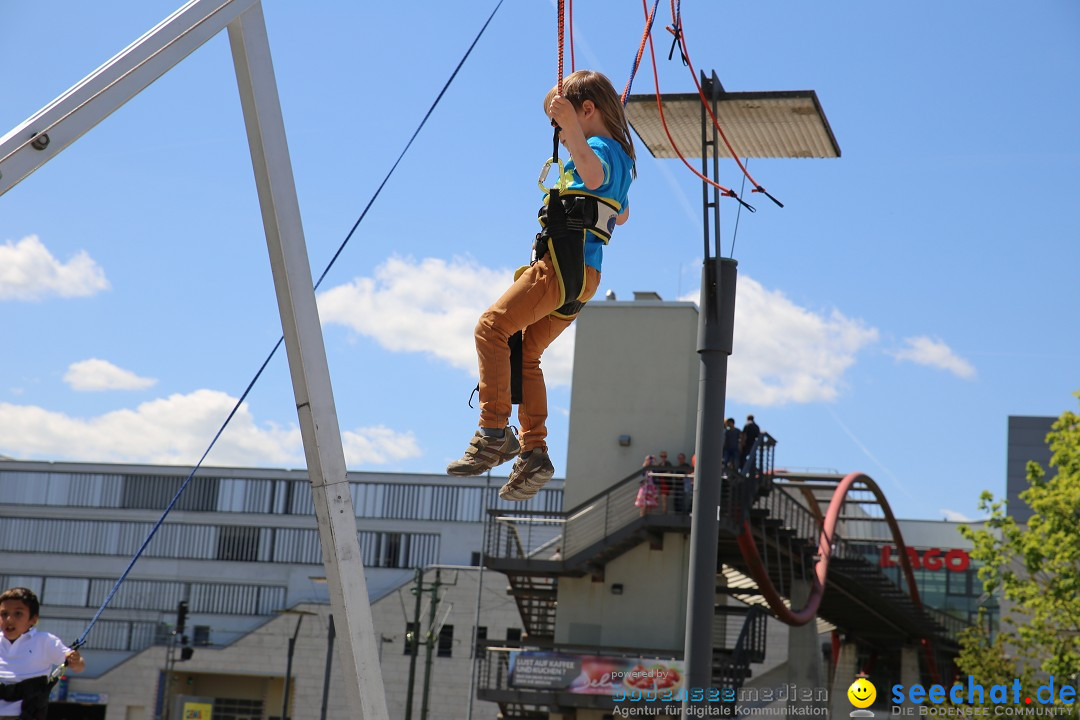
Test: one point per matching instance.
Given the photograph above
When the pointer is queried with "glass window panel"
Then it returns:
(32, 582)
(446, 641)
(71, 592)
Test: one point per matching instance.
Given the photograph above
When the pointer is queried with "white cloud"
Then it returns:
(431, 306)
(378, 445)
(28, 271)
(934, 353)
(176, 430)
(954, 516)
(784, 353)
(94, 375)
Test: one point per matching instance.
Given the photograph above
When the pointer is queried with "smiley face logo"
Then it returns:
(862, 693)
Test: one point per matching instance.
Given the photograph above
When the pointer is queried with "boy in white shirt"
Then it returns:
(27, 656)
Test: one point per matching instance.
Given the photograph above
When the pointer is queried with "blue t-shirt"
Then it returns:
(618, 174)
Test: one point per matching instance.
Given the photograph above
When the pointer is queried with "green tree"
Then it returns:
(1036, 569)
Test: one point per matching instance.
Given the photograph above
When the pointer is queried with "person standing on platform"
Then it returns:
(750, 434)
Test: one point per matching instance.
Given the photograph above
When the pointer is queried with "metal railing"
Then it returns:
(953, 625)
(521, 534)
(613, 509)
(493, 668)
(740, 629)
(730, 669)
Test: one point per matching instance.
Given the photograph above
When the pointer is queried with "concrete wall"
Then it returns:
(636, 374)
(450, 677)
(649, 614)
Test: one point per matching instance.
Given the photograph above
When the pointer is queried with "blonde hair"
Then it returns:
(585, 85)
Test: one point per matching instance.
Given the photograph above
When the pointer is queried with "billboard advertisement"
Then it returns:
(592, 674)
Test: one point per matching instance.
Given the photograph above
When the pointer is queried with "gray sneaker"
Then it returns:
(484, 453)
(528, 476)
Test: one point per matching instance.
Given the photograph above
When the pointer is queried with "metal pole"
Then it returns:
(705, 204)
(167, 685)
(476, 618)
(714, 93)
(414, 646)
(308, 366)
(430, 644)
(330, 633)
(715, 330)
(288, 671)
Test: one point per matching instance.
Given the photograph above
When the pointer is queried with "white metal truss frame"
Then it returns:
(66, 119)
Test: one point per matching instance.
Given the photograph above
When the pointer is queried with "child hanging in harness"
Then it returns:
(547, 296)
(27, 657)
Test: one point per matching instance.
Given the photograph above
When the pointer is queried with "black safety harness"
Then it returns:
(566, 217)
(34, 694)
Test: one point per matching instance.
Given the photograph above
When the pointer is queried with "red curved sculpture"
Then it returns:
(821, 569)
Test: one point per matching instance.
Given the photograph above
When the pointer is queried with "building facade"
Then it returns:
(1027, 443)
(240, 547)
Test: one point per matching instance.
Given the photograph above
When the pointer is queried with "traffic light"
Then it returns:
(410, 642)
(181, 617)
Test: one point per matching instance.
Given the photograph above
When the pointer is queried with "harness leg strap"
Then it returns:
(514, 341)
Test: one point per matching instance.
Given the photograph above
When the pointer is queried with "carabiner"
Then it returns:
(546, 169)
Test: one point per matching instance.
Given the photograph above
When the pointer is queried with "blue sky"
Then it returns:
(910, 296)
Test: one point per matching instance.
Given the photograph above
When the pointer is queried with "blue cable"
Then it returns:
(82, 638)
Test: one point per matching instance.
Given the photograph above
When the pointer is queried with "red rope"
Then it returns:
(680, 36)
(561, 10)
(663, 121)
(570, 13)
(645, 35)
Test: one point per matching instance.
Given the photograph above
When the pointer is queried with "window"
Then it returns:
(154, 492)
(202, 635)
(446, 641)
(238, 543)
(476, 558)
(237, 709)
(390, 550)
(65, 591)
(513, 636)
(481, 639)
(960, 583)
(280, 496)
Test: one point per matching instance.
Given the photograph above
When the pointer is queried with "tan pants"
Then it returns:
(526, 306)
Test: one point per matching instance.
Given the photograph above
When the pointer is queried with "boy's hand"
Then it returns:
(75, 661)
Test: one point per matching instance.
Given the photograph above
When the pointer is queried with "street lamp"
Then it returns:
(757, 124)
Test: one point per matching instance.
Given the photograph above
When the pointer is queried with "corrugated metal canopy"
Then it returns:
(789, 124)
